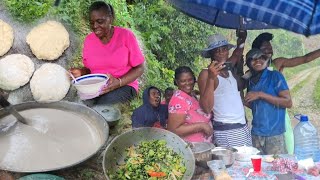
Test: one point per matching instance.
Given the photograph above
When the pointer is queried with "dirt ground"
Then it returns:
(303, 102)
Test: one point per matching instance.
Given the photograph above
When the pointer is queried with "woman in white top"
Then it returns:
(219, 93)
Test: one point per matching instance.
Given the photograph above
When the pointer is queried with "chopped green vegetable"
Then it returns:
(151, 160)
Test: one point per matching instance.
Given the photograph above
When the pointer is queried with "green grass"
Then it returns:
(297, 87)
(294, 92)
(316, 93)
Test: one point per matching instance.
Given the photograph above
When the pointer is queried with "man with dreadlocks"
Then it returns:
(263, 42)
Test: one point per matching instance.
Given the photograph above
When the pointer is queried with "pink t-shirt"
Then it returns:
(116, 57)
(182, 103)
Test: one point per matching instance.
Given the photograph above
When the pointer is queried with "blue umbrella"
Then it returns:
(299, 16)
(206, 13)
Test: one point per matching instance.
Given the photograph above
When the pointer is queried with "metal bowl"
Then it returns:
(202, 150)
(202, 154)
(227, 154)
(110, 113)
(115, 152)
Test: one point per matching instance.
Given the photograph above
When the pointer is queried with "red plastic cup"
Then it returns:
(256, 162)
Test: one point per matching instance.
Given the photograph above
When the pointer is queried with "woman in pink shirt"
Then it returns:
(113, 51)
(186, 118)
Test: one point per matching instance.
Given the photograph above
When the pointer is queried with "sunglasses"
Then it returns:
(263, 57)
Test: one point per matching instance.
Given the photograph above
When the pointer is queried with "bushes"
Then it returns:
(174, 38)
(28, 10)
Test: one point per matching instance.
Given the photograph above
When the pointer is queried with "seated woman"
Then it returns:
(186, 118)
(268, 96)
(151, 113)
(114, 51)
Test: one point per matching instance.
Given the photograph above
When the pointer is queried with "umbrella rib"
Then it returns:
(216, 17)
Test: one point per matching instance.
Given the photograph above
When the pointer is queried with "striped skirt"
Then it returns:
(233, 137)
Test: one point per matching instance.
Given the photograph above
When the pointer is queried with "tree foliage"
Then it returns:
(174, 38)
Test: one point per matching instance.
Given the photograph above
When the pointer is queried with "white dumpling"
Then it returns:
(50, 83)
(15, 71)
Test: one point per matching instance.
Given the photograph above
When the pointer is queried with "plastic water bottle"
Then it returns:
(306, 140)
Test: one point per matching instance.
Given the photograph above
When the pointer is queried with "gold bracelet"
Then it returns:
(120, 82)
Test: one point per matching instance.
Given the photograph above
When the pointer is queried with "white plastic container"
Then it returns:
(306, 140)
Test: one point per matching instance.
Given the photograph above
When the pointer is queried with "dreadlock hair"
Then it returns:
(257, 42)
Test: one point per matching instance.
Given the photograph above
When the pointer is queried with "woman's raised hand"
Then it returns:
(214, 69)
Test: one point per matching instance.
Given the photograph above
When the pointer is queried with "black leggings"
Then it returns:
(120, 95)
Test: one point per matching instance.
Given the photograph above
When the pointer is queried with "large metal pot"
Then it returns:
(115, 152)
(97, 122)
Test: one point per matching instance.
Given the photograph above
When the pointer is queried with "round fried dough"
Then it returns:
(48, 40)
(6, 37)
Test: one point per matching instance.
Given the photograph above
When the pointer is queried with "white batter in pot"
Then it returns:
(54, 138)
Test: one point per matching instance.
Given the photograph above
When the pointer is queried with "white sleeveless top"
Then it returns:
(228, 107)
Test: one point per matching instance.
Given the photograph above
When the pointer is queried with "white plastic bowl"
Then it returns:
(245, 152)
(90, 84)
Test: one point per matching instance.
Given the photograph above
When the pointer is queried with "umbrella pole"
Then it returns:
(241, 23)
(240, 26)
